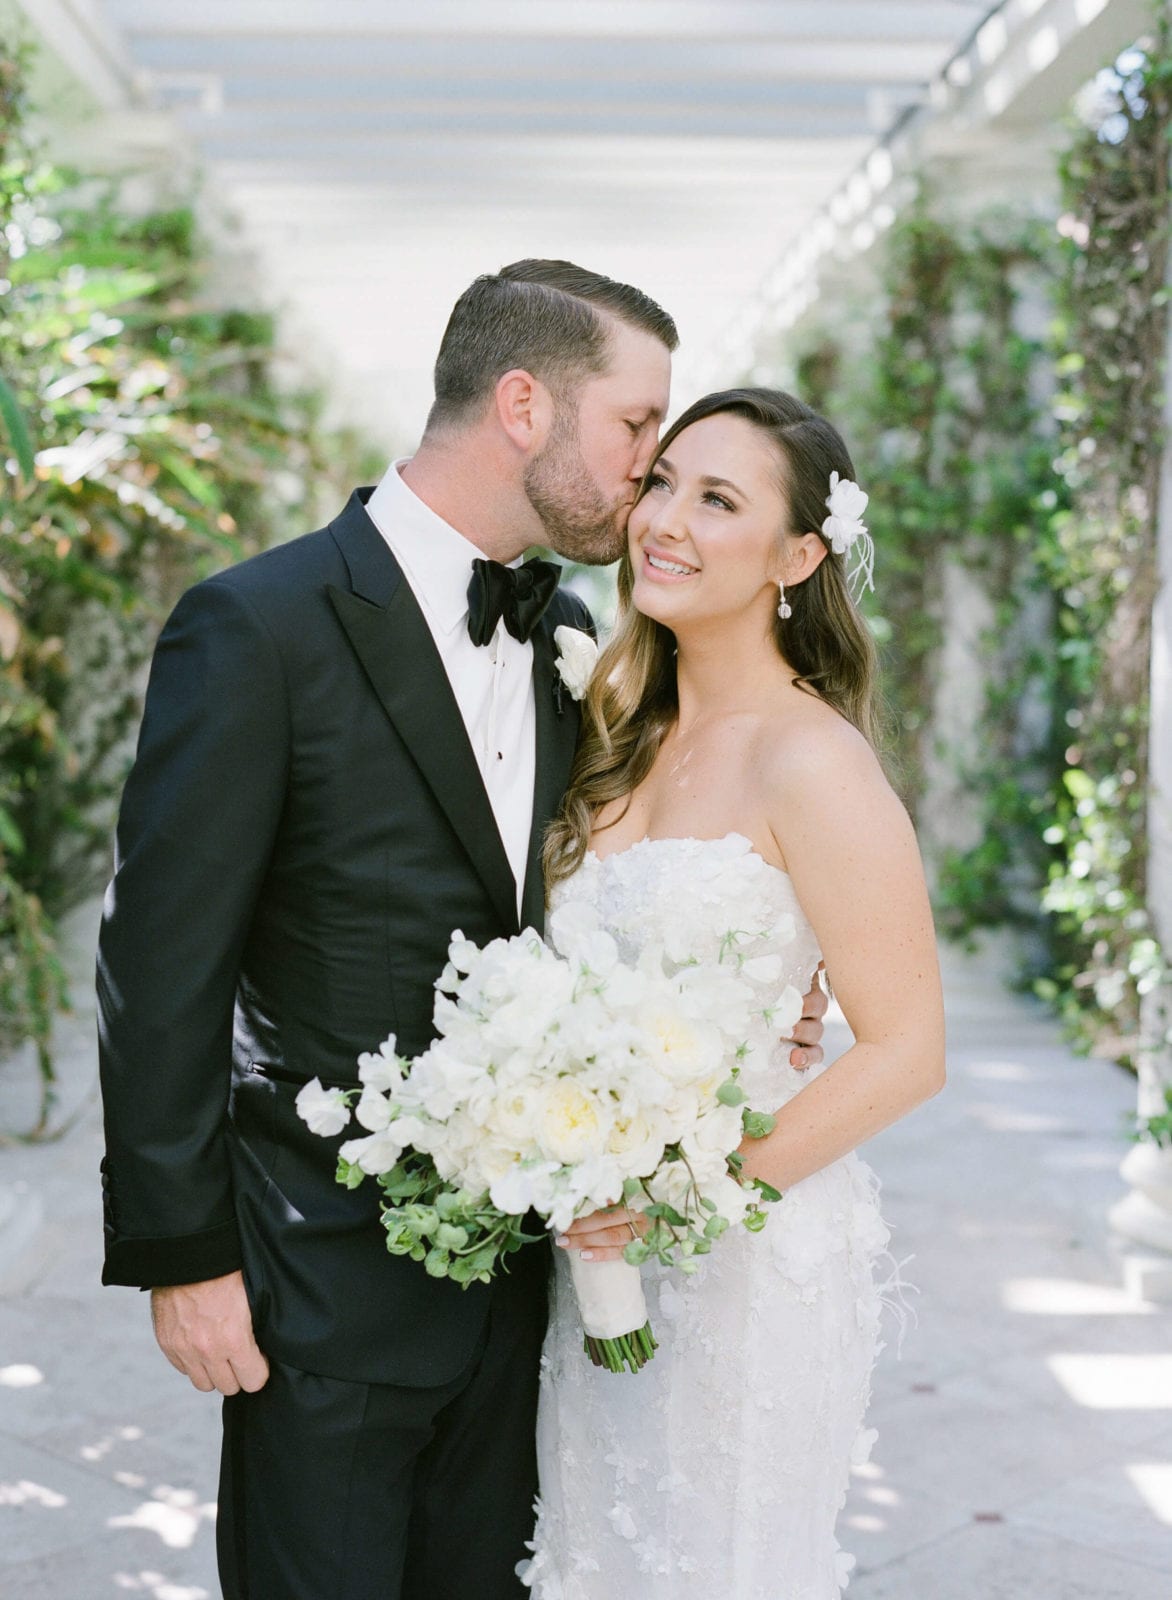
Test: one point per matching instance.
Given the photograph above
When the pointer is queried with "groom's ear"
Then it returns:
(524, 409)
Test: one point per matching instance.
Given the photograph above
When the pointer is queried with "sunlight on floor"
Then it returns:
(1007, 1119)
(21, 1376)
(876, 1493)
(96, 1452)
(25, 1493)
(1116, 1383)
(174, 1514)
(999, 1071)
(1153, 1480)
(1067, 1297)
(157, 1586)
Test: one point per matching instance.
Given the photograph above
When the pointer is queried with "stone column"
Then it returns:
(1144, 1215)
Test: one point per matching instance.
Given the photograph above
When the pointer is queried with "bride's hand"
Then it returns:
(807, 1034)
(605, 1234)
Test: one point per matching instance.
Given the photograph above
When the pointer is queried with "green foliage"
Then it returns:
(937, 393)
(149, 446)
(454, 1233)
(1052, 506)
(1158, 1128)
(1112, 308)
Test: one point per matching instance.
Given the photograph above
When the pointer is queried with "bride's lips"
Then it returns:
(657, 574)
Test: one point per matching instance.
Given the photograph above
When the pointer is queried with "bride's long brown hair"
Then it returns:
(631, 702)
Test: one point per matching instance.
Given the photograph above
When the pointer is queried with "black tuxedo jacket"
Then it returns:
(304, 827)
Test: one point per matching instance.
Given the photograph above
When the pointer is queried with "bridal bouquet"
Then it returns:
(562, 1081)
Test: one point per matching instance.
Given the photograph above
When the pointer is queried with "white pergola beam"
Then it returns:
(1030, 71)
(869, 20)
(843, 60)
(395, 129)
(78, 33)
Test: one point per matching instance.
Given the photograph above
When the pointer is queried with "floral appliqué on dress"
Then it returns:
(720, 1469)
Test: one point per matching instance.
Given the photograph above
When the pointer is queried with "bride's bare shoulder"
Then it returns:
(809, 742)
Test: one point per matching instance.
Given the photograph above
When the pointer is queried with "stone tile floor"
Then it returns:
(1025, 1434)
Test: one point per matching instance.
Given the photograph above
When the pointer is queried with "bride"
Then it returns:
(727, 780)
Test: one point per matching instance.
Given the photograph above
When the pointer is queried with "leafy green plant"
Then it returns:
(149, 445)
(1112, 307)
(940, 381)
(936, 385)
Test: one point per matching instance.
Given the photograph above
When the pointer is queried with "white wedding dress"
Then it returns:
(718, 1471)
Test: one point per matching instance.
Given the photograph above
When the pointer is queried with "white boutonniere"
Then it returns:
(577, 656)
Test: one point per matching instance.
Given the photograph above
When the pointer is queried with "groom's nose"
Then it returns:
(644, 456)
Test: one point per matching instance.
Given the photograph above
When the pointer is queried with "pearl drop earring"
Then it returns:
(784, 609)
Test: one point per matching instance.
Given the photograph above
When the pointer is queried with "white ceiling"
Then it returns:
(380, 153)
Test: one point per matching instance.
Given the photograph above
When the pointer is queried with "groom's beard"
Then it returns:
(580, 523)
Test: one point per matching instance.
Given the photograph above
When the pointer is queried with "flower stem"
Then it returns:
(630, 1350)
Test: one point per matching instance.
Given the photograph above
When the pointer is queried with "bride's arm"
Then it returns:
(849, 847)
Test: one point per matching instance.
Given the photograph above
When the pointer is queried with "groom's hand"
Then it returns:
(807, 1035)
(205, 1332)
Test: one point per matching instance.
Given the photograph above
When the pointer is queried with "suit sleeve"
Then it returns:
(198, 821)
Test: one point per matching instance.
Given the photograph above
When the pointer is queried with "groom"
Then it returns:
(351, 746)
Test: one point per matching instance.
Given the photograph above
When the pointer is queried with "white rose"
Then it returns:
(569, 1125)
(577, 655)
(323, 1110)
(513, 1115)
(637, 1143)
(690, 1047)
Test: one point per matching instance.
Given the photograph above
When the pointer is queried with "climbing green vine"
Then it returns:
(1004, 389)
(147, 444)
(939, 402)
(1112, 305)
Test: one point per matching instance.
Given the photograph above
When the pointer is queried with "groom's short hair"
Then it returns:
(549, 317)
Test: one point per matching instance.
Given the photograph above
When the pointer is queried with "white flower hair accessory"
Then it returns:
(846, 532)
(577, 655)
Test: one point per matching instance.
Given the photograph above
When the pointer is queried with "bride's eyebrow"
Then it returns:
(723, 483)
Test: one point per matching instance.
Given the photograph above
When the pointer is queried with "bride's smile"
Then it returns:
(707, 538)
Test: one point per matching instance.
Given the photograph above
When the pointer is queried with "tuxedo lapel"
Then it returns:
(390, 636)
(557, 738)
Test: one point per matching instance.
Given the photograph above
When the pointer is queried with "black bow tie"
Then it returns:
(518, 594)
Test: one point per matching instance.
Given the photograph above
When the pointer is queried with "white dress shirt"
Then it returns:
(492, 683)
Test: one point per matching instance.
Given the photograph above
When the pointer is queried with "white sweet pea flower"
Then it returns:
(787, 1010)
(324, 1110)
(381, 1070)
(378, 1152)
(577, 655)
(522, 1185)
(373, 1110)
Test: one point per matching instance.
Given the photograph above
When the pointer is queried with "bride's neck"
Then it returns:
(722, 670)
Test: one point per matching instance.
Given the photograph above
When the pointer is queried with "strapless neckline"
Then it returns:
(689, 839)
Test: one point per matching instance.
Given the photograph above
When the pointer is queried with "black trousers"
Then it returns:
(351, 1491)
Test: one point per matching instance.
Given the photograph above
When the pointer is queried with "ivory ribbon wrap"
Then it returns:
(610, 1296)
